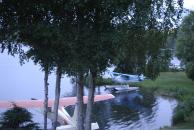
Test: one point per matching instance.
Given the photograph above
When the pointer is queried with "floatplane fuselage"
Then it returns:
(126, 78)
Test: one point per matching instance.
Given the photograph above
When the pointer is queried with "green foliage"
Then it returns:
(143, 35)
(16, 118)
(170, 80)
(92, 32)
(184, 111)
(185, 39)
(78, 36)
(101, 81)
(165, 57)
(185, 44)
(190, 70)
(152, 68)
(95, 47)
(44, 49)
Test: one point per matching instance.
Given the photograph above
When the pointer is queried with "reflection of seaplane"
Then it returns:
(126, 78)
(120, 88)
(67, 122)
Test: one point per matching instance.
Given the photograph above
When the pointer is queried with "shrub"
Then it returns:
(179, 115)
(184, 110)
(17, 118)
(190, 70)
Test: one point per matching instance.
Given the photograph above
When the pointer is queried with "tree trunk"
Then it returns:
(80, 116)
(91, 86)
(57, 96)
(46, 74)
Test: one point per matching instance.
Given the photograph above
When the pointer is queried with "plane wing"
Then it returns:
(67, 101)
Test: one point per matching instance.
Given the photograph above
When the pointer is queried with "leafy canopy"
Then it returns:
(143, 33)
(185, 44)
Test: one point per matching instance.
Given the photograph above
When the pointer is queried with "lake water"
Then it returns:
(137, 110)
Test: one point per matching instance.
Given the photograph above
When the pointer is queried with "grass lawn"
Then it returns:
(167, 80)
(175, 84)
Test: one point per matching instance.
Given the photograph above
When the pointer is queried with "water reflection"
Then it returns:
(137, 110)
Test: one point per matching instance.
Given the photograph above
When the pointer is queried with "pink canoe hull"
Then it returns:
(67, 101)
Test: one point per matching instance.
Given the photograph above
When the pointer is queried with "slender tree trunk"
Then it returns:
(57, 96)
(46, 74)
(90, 101)
(80, 116)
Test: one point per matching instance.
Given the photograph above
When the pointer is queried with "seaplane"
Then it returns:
(126, 78)
(66, 121)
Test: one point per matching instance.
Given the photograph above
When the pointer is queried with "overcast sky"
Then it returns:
(189, 4)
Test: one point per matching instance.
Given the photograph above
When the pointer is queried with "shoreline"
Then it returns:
(175, 85)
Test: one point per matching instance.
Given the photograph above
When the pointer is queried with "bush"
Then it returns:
(190, 70)
(178, 117)
(17, 118)
(183, 111)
